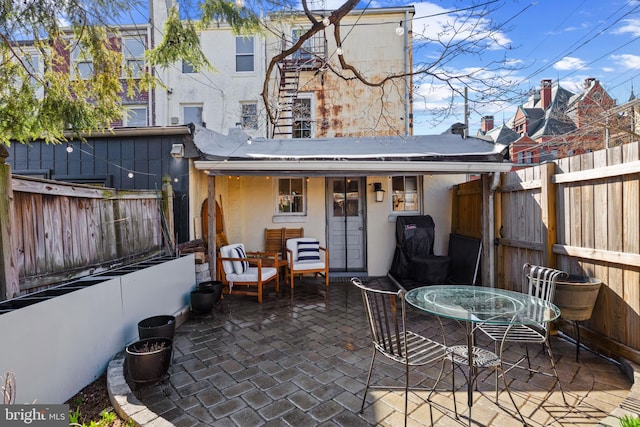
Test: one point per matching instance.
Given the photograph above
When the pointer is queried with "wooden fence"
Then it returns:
(582, 215)
(52, 231)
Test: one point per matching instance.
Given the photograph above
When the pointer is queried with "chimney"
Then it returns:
(545, 93)
(486, 124)
(588, 81)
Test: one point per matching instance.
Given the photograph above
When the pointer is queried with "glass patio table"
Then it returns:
(480, 305)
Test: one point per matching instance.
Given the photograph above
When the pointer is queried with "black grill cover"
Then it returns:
(414, 238)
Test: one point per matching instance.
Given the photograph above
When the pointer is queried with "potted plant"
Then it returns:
(576, 296)
(157, 326)
(148, 359)
(206, 296)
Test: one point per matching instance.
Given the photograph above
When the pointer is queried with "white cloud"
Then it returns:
(608, 69)
(630, 26)
(627, 61)
(569, 63)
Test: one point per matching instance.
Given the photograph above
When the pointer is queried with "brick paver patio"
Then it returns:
(302, 360)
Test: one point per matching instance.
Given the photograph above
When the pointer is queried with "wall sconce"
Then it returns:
(177, 151)
(377, 188)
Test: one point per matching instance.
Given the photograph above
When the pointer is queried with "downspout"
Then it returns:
(495, 181)
(407, 77)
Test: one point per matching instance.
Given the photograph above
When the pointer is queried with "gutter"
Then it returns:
(141, 131)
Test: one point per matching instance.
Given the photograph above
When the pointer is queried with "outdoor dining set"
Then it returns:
(500, 315)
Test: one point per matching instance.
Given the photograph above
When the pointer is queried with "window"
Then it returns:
(314, 46)
(249, 116)
(32, 66)
(291, 196)
(192, 114)
(244, 54)
(187, 67)
(133, 53)
(404, 193)
(136, 116)
(82, 63)
(302, 118)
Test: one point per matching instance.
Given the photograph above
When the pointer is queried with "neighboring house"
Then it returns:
(307, 98)
(554, 122)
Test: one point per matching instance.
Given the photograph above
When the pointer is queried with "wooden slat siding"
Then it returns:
(468, 208)
(614, 230)
(604, 304)
(631, 245)
(67, 237)
(61, 234)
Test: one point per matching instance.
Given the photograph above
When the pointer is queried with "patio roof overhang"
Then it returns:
(238, 154)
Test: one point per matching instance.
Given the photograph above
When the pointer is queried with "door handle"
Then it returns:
(360, 228)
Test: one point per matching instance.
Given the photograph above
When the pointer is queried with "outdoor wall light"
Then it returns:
(377, 188)
(400, 29)
(177, 151)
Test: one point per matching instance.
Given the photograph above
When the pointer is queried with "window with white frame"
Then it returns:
(31, 64)
(136, 116)
(192, 114)
(82, 64)
(302, 118)
(249, 115)
(291, 197)
(404, 194)
(133, 52)
(244, 54)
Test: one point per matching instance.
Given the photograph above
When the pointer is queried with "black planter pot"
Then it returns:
(212, 285)
(148, 359)
(157, 326)
(202, 300)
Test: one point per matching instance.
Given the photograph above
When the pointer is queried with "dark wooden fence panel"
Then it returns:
(64, 230)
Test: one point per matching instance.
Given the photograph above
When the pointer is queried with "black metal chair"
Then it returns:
(386, 314)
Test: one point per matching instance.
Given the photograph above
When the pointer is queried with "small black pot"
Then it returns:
(148, 359)
(157, 326)
(202, 300)
(212, 285)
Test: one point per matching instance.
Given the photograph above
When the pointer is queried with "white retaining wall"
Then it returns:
(57, 347)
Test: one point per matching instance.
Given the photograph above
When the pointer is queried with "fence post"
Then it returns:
(167, 210)
(211, 221)
(9, 283)
(548, 218)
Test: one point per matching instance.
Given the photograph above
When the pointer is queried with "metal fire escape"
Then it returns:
(310, 57)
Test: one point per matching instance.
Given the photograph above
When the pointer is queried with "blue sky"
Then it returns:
(565, 40)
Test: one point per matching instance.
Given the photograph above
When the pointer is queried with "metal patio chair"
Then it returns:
(540, 282)
(386, 315)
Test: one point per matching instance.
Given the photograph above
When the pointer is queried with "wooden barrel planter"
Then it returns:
(148, 359)
(576, 297)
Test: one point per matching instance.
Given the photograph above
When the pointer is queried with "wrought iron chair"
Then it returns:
(386, 315)
(539, 282)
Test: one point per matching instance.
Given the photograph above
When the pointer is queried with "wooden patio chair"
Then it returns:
(305, 255)
(246, 270)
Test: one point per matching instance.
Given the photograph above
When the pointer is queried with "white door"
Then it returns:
(345, 214)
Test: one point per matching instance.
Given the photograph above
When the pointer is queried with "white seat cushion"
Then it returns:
(308, 265)
(251, 275)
